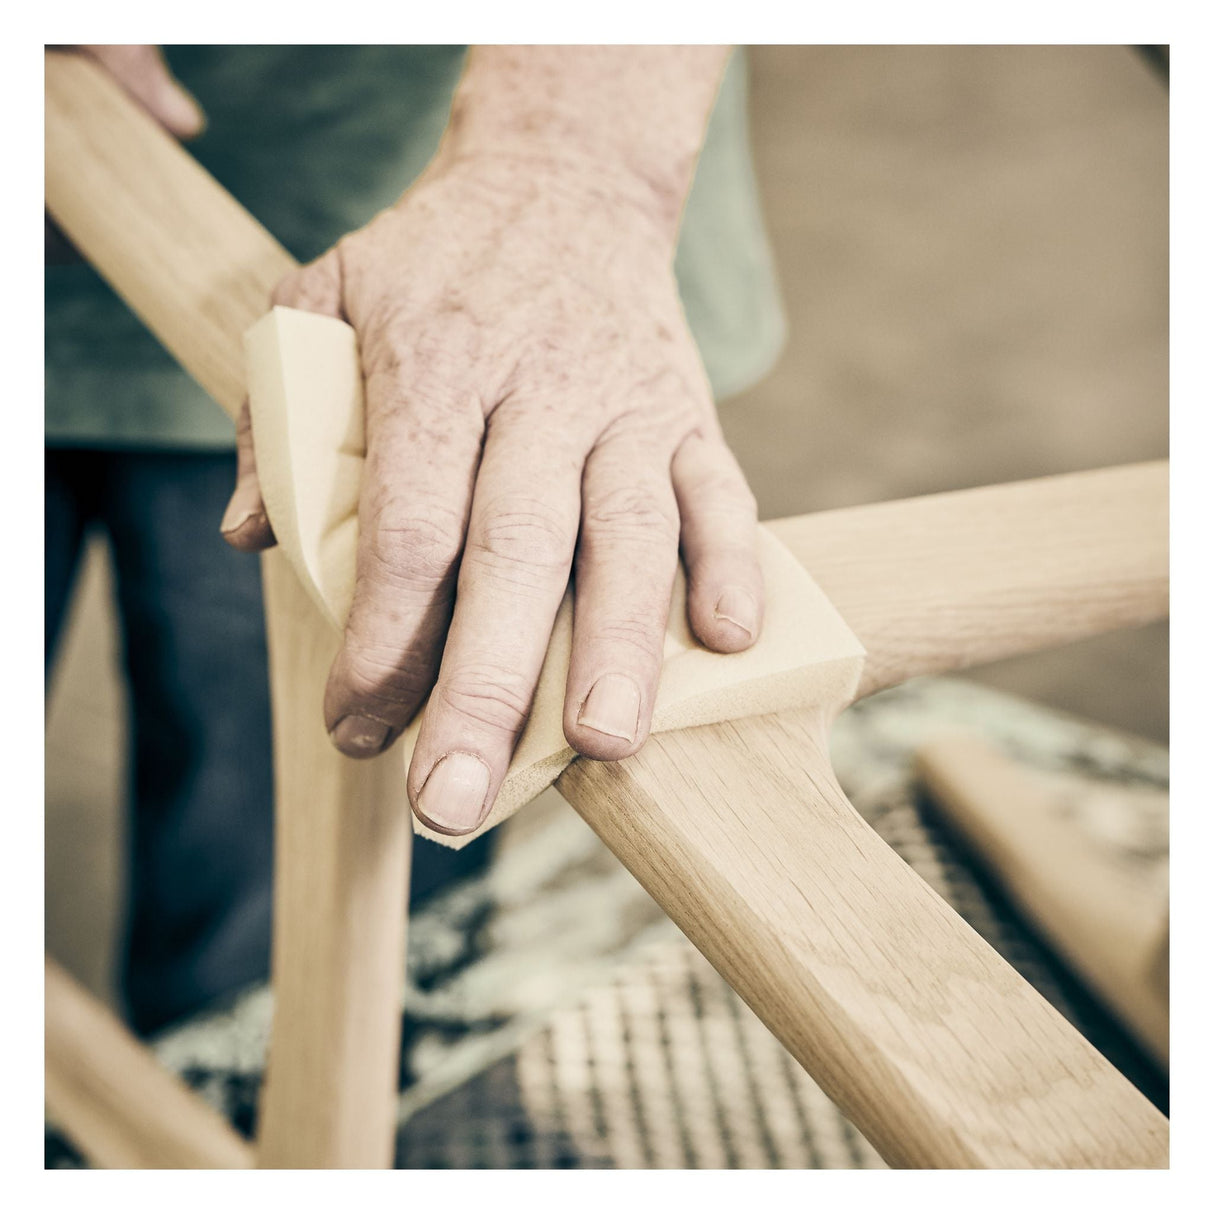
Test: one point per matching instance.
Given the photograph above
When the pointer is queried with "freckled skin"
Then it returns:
(536, 407)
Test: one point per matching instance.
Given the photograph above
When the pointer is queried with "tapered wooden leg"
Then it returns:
(1109, 923)
(933, 1046)
(938, 1051)
(120, 1106)
(342, 848)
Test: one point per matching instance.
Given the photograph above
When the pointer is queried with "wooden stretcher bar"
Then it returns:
(121, 1106)
(198, 269)
(1107, 916)
(937, 1050)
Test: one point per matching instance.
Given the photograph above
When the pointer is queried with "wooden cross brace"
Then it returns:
(937, 1050)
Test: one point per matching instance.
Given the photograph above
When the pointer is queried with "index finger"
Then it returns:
(512, 578)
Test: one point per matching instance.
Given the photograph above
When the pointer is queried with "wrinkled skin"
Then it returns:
(535, 406)
(535, 400)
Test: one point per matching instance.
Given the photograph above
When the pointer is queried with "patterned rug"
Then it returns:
(554, 1018)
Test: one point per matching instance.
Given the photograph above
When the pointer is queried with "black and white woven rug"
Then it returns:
(554, 1018)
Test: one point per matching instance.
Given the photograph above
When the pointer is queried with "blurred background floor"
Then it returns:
(973, 245)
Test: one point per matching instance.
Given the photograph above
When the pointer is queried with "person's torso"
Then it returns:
(314, 141)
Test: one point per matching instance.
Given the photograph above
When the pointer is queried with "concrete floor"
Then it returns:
(973, 245)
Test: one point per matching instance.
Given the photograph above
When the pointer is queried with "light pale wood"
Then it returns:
(343, 839)
(199, 270)
(930, 584)
(956, 579)
(938, 1051)
(1100, 915)
(195, 266)
(121, 1107)
(306, 403)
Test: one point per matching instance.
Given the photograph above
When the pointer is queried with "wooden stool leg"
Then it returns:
(1105, 918)
(342, 849)
(886, 997)
(115, 1100)
(937, 1050)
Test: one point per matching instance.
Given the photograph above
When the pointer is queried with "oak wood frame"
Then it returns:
(934, 1047)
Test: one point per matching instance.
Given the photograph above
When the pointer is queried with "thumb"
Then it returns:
(142, 71)
(315, 287)
(245, 525)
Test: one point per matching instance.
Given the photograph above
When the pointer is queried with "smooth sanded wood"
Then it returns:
(724, 824)
(1099, 913)
(343, 838)
(938, 1051)
(194, 265)
(989, 1073)
(199, 270)
(956, 579)
(120, 1106)
(306, 405)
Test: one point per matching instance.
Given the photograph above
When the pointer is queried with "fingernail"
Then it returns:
(187, 112)
(453, 797)
(613, 707)
(359, 737)
(739, 608)
(235, 517)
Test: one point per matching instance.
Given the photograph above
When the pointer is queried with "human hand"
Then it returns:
(142, 71)
(527, 367)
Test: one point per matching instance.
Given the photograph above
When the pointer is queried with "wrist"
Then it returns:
(573, 188)
(622, 124)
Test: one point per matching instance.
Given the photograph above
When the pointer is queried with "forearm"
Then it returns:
(632, 116)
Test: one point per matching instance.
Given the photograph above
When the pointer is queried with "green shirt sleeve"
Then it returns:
(314, 141)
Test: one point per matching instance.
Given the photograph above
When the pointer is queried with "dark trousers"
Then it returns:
(199, 870)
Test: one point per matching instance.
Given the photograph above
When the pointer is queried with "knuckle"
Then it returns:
(451, 339)
(390, 680)
(310, 287)
(725, 490)
(635, 634)
(489, 694)
(432, 358)
(286, 290)
(632, 510)
(388, 353)
(414, 548)
(525, 534)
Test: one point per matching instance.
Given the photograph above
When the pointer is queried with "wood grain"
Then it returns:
(343, 839)
(121, 1107)
(938, 1051)
(1110, 926)
(194, 265)
(199, 270)
(950, 580)
(948, 1058)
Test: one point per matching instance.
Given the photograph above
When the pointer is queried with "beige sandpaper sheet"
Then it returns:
(305, 397)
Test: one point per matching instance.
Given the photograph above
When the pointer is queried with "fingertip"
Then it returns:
(591, 743)
(726, 620)
(175, 108)
(443, 828)
(247, 531)
(186, 118)
(454, 799)
(606, 721)
(360, 737)
(723, 636)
